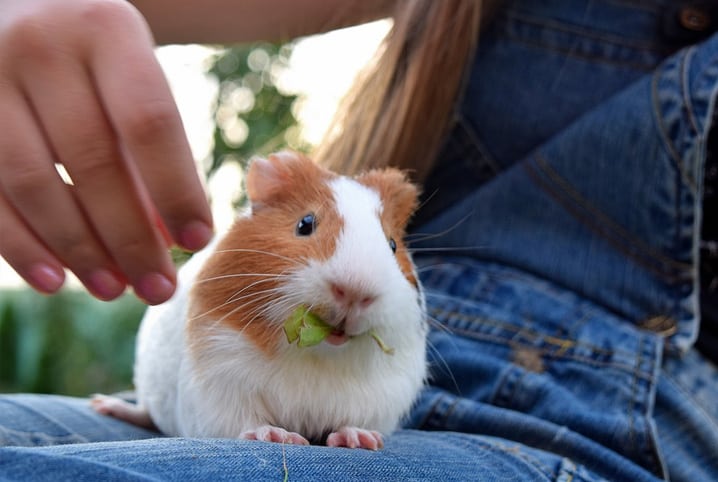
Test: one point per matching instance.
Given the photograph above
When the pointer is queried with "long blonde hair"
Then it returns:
(402, 105)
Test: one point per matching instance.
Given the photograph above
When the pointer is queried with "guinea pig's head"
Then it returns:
(318, 240)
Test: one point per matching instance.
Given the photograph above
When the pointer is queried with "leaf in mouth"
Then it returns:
(308, 329)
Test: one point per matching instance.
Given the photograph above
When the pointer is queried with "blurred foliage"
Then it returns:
(252, 114)
(72, 344)
(67, 343)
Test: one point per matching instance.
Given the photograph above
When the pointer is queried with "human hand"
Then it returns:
(80, 86)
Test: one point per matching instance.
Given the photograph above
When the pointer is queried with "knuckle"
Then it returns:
(107, 15)
(132, 250)
(74, 247)
(24, 180)
(94, 162)
(176, 205)
(29, 38)
(148, 122)
(78, 250)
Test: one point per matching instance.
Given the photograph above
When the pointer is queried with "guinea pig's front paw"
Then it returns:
(270, 433)
(355, 438)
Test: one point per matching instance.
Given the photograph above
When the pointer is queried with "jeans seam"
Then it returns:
(667, 269)
(635, 4)
(634, 395)
(695, 403)
(693, 122)
(66, 438)
(445, 416)
(563, 345)
(563, 27)
(526, 458)
(475, 146)
(671, 149)
(568, 53)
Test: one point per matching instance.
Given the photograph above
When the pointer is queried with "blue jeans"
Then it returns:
(563, 289)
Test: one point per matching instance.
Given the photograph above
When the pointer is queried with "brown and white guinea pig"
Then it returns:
(214, 361)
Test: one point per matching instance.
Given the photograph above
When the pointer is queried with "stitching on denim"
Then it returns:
(695, 403)
(563, 344)
(671, 148)
(687, 103)
(516, 450)
(632, 399)
(34, 437)
(632, 247)
(445, 416)
(472, 138)
(542, 163)
(566, 28)
(650, 447)
(567, 52)
(648, 6)
(433, 410)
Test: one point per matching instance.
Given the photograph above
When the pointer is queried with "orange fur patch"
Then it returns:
(400, 200)
(261, 246)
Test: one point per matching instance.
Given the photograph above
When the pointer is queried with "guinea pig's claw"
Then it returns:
(356, 438)
(270, 433)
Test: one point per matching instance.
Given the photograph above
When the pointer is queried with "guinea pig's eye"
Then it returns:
(306, 225)
(392, 245)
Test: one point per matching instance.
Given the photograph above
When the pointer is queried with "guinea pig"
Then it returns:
(214, 361)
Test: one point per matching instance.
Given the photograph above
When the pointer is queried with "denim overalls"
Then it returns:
(564, 286)
(558, 246)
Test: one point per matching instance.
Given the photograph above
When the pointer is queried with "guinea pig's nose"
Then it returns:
(351, 296)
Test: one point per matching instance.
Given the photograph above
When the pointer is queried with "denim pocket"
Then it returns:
(519, 358)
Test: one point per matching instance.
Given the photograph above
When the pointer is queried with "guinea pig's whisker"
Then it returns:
(249, 287)
(265, 310)
(255, 296)
(273, 277)
(426, 201)
(433, 322)
(238, 275)
(448, 249)
(259, 300)
(269, 294)
(435, 266)
(259, 251)
(418, 237)
(236, 309)
(444, 365)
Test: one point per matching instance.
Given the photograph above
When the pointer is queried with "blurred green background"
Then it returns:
(72, 344)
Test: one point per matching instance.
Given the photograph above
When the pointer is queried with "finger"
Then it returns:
(149, 126)
(51, 217)
(28, 257)
(84, 142)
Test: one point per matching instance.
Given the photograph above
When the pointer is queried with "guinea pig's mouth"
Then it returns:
(337, 335)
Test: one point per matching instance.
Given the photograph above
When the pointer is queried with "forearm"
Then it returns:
(233, 21)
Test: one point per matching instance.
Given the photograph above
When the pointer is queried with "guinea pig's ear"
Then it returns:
(268, 178)
(399, 197)
(264, 180)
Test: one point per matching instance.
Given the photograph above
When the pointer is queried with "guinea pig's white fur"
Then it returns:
(212, 379)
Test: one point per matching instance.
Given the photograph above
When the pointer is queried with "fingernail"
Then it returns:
(105, 285)
(46, 278)
(155, 288)
(195, 235)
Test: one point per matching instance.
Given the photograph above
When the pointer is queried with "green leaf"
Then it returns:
(313, 335)
(306, 327)
(384, 347)
(293, 324)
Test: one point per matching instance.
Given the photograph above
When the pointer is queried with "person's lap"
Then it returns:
(562, 326)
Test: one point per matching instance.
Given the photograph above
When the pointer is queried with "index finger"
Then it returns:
(140, 106)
